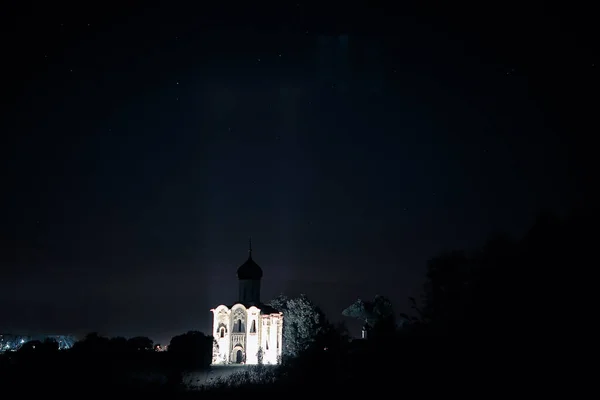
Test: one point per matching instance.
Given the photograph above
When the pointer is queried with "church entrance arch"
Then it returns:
(237, 355)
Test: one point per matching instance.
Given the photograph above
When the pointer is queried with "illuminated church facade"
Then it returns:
(248, 332)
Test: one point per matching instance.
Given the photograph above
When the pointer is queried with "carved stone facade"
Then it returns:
(245, 335)
(248, 332)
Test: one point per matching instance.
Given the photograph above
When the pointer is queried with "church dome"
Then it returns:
(249, 270)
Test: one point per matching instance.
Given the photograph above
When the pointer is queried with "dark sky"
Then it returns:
(141, 147)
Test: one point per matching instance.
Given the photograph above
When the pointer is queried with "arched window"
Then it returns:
(222, 332)
(253, 327)
(238, 326)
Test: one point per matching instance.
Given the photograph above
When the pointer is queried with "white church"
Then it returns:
(248, 332)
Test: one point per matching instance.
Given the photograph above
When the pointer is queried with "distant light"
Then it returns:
(22, 341)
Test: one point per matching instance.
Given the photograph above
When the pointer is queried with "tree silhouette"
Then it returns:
(140, 343)
(191, 350)
(303, 321)
(506, 284)
(49, 345)
(378, 315)
(92, 343)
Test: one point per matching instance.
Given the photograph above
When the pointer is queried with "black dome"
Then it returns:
(249, 270)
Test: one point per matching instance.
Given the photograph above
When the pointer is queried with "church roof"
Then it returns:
(249, 269)
(264, 308)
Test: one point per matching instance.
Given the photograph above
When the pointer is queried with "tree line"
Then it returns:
(476, 306)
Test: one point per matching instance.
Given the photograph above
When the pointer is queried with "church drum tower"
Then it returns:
(249, 275)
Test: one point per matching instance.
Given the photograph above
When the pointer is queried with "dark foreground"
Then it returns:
(400, 369)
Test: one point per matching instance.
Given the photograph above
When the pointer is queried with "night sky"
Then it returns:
(141, 147)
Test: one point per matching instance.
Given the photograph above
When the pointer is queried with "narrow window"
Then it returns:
(222, 332)
(253, 327)
(267, 345)
(239, 325)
